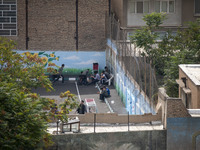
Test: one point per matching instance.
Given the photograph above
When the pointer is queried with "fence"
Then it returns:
(122, 53)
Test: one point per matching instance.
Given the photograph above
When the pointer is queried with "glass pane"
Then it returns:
(146, 7)
(157, 6)
(4, 7)
(197, 6)
(164, 6)
(132, 7)
(9, 1)
(9, 26)
(4, 32)
(3, 20)
(171, 6)
(139, 7)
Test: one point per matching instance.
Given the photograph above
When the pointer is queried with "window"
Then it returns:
(136, 6)
(197, 7)
(167, 6)
(8, 17)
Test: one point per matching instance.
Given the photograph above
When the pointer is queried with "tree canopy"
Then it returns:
(25, 115)
(172, 50)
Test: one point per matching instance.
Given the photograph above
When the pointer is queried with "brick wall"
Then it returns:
(52, 24)
(171, 107)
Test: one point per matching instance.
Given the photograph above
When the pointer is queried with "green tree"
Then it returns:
(24, 115)
(146, 38)
(186, 50)
(166, 55)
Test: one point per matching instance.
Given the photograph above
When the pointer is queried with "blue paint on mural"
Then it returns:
(72, 59)
(112, 45)
(134, 101)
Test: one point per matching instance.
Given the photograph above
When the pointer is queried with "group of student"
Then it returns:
(96, 78)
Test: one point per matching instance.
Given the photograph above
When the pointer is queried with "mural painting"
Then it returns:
(74, 62)
(133, 99)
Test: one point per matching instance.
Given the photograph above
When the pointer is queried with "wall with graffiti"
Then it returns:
(135, 101)
(131, 96)
(74, 62)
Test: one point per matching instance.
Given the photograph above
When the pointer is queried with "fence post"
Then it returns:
(128, 120)
(94, 121)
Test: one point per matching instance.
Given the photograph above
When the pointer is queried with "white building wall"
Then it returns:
(173, 19)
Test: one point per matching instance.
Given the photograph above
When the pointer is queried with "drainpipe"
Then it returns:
(27, 38)
(76, 25)
(109, 3)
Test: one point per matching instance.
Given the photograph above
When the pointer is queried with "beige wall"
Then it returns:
(188, 13)
(52, 25)
(117, 8)
(195, 91)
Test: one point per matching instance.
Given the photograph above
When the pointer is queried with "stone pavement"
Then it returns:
(85, 92)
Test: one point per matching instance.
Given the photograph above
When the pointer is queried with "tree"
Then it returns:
(186, 50)
(166, 55)
(24, 115)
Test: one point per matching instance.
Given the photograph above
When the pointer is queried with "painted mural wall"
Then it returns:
(74, 62)
(131, 96)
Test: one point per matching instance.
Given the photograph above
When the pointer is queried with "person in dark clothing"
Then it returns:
(103, 94)
(108, 90)
(95, 78)
(82, 108)
(60, 74)
(83, 77)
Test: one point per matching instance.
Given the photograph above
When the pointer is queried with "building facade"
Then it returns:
(179, 12)
(67, 25)
(189, 85)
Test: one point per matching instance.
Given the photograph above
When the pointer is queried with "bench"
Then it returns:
(71, 121)
(109, 81)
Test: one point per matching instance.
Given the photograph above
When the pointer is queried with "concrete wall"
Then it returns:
(188, 13)
(183, 133)
(119, 9)
(143, 140)
(117, 118)
(52, 25)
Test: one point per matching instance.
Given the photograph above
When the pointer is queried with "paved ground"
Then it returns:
(85, 92)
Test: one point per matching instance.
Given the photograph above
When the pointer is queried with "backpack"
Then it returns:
(108, 91)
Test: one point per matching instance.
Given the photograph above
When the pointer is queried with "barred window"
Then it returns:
(8, 17)
(139, 6)
(167, 6)
(197, 7)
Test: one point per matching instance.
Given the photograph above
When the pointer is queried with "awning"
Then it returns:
(180, 83)
(187, 91)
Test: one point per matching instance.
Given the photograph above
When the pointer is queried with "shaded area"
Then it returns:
(138, 140)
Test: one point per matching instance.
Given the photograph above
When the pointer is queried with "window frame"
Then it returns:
(135, 6)
(195, 14)
(168, 12)
(11, 22)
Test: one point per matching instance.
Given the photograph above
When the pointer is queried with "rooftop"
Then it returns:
(192, 71)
